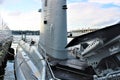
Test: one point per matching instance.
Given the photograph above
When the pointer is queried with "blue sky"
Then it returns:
(21, 5)
(22, 14)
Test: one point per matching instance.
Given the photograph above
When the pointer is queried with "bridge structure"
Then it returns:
(26, 32)
(75, 33)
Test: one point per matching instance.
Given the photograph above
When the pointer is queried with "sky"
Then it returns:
(81, 14)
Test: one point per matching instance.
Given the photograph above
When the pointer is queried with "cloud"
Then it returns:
(80, 14)
(1, 1)
(38, 1)
(22, 21)
(115, 2)
(88, 14)
(16, 13)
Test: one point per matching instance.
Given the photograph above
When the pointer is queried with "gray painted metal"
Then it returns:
(29, 64)
(50, 60)
(53, 29)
